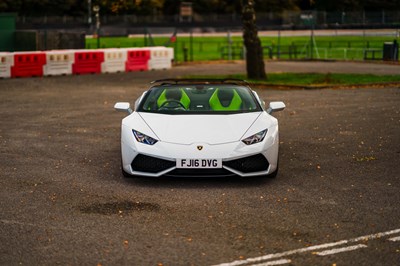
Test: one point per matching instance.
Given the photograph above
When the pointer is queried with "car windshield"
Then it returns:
(195, 98)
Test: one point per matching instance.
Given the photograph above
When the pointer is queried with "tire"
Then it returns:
(274, 174)
(125, 174)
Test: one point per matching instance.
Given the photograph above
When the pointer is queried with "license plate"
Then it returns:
(198, 163)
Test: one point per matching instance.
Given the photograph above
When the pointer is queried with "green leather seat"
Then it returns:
(174, 94)
(225, 100)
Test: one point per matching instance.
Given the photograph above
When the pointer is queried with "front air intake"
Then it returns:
(144, 163)
(255, 163)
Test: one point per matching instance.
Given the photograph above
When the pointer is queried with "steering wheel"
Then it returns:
(172, 104)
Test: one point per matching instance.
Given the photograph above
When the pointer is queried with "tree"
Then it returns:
(276, 5)
(338, 5)
(254, 54)
(171, 7)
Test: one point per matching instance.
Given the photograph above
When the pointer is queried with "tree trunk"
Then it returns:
(254, 53)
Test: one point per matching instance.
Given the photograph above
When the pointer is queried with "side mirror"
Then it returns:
(275, 107)
(123, 107)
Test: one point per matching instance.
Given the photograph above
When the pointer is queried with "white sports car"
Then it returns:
(196, 128)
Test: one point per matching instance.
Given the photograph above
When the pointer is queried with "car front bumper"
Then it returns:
(238, 159)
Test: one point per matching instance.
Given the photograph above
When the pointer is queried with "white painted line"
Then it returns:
(394, 239)
(274, 262)
(307, 249)
(339, 250)
(279, 255)
(374, 236)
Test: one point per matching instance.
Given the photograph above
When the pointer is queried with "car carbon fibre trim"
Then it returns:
(221, 172)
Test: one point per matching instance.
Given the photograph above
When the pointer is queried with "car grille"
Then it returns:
(255, 163)
(144, 163)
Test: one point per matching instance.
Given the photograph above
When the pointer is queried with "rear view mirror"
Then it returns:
(275, 107)
(123, 107)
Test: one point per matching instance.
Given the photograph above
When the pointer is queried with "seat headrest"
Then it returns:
(173, 94)
(225, 96)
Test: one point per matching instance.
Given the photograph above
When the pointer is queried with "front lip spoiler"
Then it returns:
(201, 176)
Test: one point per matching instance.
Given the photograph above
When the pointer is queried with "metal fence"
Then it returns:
(286, 19)
(338, 19)
(337, 44)
(336, 22)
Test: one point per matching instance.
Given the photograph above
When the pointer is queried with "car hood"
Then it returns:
(189, 129)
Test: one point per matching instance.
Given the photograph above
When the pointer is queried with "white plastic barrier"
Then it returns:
(58, 62)
(161, 58)
(114, 60)
(6, 62)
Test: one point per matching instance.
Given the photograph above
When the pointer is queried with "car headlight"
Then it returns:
(256, 138)
(142, 138)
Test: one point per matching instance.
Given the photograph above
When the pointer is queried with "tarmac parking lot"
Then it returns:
(64, 201)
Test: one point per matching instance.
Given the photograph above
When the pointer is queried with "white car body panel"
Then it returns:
(210, 129)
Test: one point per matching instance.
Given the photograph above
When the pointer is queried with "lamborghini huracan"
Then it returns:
(198, 128)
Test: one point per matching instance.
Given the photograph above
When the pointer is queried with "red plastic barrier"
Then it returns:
(137, 60)
(29, 64)
(87, 62)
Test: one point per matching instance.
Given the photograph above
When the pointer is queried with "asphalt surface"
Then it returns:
(63, 199)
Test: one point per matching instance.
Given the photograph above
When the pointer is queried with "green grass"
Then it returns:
(209, 48)
(315, 79)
